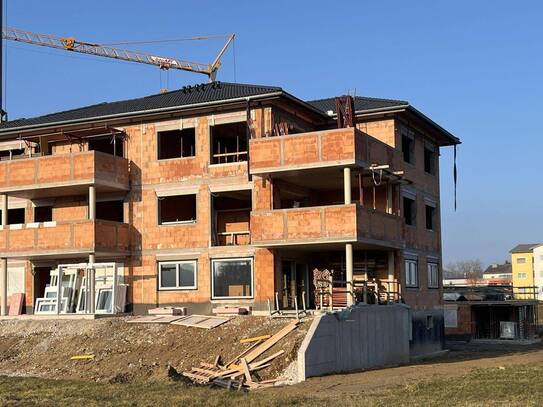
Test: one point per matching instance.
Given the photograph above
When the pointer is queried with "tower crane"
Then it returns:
(74, 45)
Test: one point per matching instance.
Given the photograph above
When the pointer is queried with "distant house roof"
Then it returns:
(499, 269)
(524, 248)
(203, 95)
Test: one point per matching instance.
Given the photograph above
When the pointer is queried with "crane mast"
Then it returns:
(74, 45)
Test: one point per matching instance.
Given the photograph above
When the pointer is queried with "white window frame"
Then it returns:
(433, 270)
(177, 286)
(213, 297)
(522, 275)
(407, 265)
(521, 258)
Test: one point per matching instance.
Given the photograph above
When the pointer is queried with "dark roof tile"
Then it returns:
(361, 103)
(204, 93)
(524, 247)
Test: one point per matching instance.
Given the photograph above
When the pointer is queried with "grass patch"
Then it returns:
(515, 385)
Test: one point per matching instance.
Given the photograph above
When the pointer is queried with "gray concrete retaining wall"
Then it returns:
(367, 337)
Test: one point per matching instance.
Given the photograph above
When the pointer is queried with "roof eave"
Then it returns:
(453, 139)
(18, 130)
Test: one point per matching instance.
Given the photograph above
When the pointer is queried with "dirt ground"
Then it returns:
(471, 375)
(130, 355)
(461, 359)
(131, 352)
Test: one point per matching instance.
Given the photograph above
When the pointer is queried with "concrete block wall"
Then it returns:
(367, 337)
(149, 241)
(304, 224)
(191, 241)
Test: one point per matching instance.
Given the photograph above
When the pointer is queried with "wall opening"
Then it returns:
(15, 216)
(408, 149)
(430, 217)
(229, 143)
(409, 211)
(231, 218)
(110, 210)
(176, 143)
(105, 144)
(176, 209)
(43, 213)
(429, 161)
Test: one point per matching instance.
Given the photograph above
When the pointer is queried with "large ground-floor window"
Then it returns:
(232, 278)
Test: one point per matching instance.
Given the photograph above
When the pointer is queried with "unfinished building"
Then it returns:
(224, 193)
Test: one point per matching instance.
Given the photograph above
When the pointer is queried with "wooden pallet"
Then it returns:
(201, 321)
(239, 369)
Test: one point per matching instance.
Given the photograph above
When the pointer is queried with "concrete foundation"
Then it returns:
(368, 336)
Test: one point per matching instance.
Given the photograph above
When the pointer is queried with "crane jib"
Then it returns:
(71, 44)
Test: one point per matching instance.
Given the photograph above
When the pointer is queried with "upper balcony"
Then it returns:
(64, 239)
(318, 149)
(325, 224)
(63, 174)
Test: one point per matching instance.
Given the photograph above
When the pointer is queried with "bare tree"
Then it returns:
(471, 270)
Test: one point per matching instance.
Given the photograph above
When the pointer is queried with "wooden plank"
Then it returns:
(266, 360)
(217, 360)
(155, 319)
(82, 357)
(254, 345)
(259, 350)
(196, 377)
(246, 371)
(204, 364)
(16, 304)
(254, 339)
(201, 321)
(206, 371)
(277, 379)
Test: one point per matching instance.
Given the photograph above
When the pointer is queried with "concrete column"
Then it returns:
(349, 274)
(4, 286)
(4, 207)
(389, 198)
(4, 261)
(347, 185)
(92, 202)
(91, 285)
(391, 265)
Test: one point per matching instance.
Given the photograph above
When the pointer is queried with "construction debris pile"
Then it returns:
(242, 371)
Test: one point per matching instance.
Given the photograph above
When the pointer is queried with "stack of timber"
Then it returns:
(239, 372)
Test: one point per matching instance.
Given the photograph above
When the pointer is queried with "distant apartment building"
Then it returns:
(219, 194)
(527, 264)
(499, 273)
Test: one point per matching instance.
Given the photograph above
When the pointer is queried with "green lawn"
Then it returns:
(516, 385)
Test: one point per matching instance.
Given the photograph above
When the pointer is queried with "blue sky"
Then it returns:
(474, 67)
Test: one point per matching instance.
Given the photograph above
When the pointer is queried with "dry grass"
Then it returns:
(518, 385)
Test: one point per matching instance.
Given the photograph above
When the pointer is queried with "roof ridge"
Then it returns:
(153, 95)
(361, 97)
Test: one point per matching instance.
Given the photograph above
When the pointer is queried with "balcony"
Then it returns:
(324, 224)
(319, 149)
(63, 174)
(64, 239)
